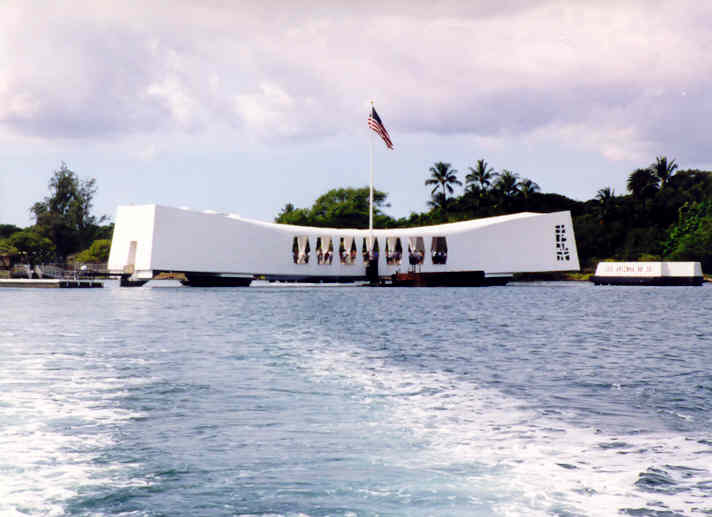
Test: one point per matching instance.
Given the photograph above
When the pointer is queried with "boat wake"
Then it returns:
(55, 429)
(515, 459)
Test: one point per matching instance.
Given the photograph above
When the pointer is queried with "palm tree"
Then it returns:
(507, 183)
(663, 170)
(482, 174)
(642, 183)
(442, 176)
(438, 200)
(473, 195)
(527, 187)
(606, 197)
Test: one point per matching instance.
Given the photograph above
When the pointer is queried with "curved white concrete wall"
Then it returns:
(174, 239)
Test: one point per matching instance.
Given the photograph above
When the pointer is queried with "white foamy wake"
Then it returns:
(521, 462)
(54, 423)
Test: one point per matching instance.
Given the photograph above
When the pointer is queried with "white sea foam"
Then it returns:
(54, 424)
(523, 463)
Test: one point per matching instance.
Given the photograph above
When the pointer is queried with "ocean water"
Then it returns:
(535, 399)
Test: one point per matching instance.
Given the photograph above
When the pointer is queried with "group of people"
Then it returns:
(324, 257)
(416, 257)
(393, 257)
(439, 257)
(348, 257)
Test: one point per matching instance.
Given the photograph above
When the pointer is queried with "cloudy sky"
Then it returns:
(246, 106)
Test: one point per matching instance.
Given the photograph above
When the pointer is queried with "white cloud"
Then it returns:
(148, 153)
(625, 78)
(174, 96)
(268, 109)
(18, 106)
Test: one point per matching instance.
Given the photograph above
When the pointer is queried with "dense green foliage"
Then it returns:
(339, 208)
(691, 237)
(63, 225)
(8, 229)
(666, 214)
(442, 176)
(98, 252)
(64, 216)
(649, 221)
(28, 246)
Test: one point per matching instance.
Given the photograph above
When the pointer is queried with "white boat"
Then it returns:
(210, 248)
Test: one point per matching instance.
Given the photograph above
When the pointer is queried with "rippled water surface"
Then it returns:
(530, 399)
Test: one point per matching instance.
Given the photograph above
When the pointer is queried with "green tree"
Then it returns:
(439, 201)
(645, 223)
(294, 216)
(507, 183)
(643, 183)
(482, 174)
(8, 253)
(98, 252)
(288, 209)
(691, 237)
(32, 247)
(442, 176)
(348, 207)
(663, 169)
(606, 198)
(340, 208)
(64, 215)
(105, 231)
(473, 199)
(8, 229)
(696, 246)
(527, 187)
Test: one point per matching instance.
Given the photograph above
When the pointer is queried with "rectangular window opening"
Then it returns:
(369, 249)
(300, 249)
(416, 251)
(324, 250)
(347, 250)
(438, 250)
(394, 251)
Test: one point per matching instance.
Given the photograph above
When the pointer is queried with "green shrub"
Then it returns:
(98, 252)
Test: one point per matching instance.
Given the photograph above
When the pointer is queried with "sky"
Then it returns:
(244, 107)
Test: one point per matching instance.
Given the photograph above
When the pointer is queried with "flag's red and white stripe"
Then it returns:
(374, 122)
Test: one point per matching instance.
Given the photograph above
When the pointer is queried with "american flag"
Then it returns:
(374, 122)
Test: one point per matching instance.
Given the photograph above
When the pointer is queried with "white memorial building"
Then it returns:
(212, 249)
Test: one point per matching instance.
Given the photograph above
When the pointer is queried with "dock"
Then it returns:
(56, 283)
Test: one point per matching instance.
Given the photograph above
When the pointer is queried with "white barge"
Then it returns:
(213, 249)
(648, 273)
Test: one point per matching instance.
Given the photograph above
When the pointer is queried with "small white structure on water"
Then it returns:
(225, 249)
(648, 273)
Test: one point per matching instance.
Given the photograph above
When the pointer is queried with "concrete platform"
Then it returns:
(49, 283)
(648, 273)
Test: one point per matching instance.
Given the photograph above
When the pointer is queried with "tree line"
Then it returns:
(64, 227)
(666, 213)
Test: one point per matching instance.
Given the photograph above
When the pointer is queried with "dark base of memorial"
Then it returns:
(447, 279)
(215, 280)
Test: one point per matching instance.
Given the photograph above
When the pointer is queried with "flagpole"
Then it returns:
(370, 195)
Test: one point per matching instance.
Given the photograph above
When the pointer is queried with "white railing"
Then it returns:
(58, 270)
